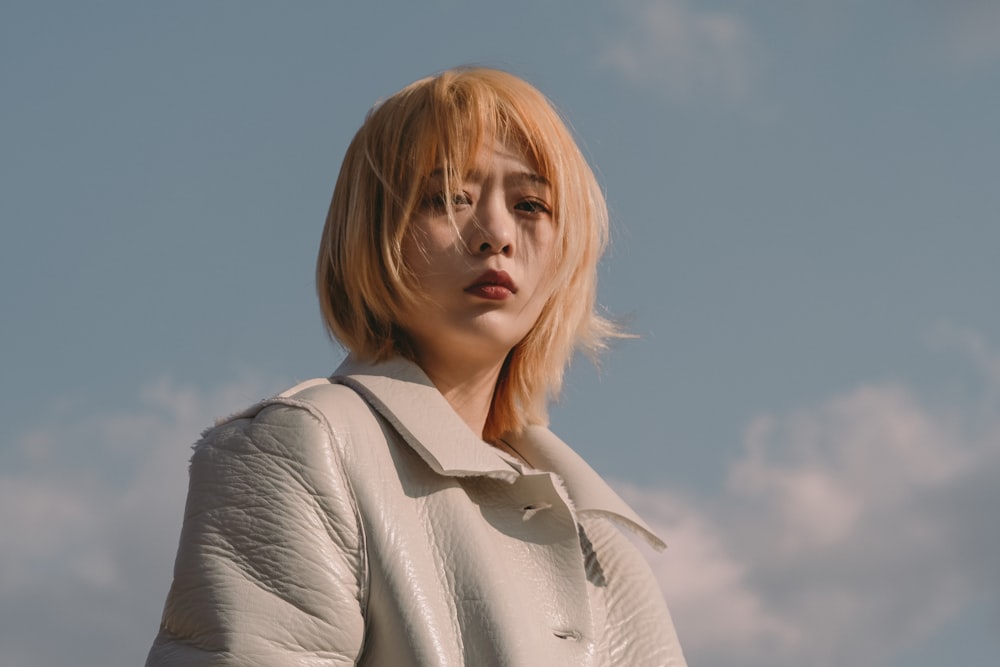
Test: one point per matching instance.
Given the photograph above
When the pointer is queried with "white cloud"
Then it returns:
(846, 533)
(90, 511)
(683, 53)
(706, 582)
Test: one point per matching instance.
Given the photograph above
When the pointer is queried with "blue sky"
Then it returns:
(805, 219)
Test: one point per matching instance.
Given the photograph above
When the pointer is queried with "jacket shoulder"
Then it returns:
(315, 409)
(271, 567)
(295, 443)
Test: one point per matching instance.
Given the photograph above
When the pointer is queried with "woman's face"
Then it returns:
(484, 277)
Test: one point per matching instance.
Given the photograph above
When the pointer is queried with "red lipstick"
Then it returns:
(493, 285)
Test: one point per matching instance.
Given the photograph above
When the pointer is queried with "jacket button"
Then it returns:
(533, 509)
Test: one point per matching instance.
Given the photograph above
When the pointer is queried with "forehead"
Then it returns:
(490, 161)
(451, 137)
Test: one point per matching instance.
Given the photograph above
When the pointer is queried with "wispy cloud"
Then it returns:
(846, 533)
(90, 510)
(972, 31)
(682, 52)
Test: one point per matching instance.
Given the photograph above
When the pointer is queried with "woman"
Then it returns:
(413, 509)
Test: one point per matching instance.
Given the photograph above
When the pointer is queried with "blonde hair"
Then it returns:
(439, 123)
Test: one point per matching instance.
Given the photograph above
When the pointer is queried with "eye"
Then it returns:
(533, 206)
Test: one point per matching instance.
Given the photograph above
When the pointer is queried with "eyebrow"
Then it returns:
(476, 176)
(529, 176)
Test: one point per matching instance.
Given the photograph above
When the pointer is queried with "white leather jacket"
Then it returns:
(358, 520)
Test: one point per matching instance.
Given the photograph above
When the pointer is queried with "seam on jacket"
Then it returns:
(362, 537)
(337, 445)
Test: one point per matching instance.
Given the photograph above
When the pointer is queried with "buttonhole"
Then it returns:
(571, 635)
(534, 508)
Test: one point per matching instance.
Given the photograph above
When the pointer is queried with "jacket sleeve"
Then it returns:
(270, 566)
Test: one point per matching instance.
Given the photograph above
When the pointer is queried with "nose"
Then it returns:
(492, 229)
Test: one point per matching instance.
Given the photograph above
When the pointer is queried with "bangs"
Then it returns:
(459, 115)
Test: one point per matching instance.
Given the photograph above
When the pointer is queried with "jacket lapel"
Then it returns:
(403, 394)
(407, 399)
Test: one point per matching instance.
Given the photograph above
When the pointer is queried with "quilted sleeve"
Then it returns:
(270, 566)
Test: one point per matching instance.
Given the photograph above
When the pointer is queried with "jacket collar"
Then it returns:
(403, 394)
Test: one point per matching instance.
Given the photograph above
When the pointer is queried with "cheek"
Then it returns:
(419, 250)
(434, 260)
(427, 238)
(541, 245)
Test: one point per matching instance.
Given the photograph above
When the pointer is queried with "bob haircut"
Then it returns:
(440, 123)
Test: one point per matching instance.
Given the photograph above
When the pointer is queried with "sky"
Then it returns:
(805, 239)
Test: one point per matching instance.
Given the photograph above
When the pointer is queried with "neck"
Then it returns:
(468, 388)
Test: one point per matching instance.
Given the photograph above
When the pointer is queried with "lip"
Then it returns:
(492, 284)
